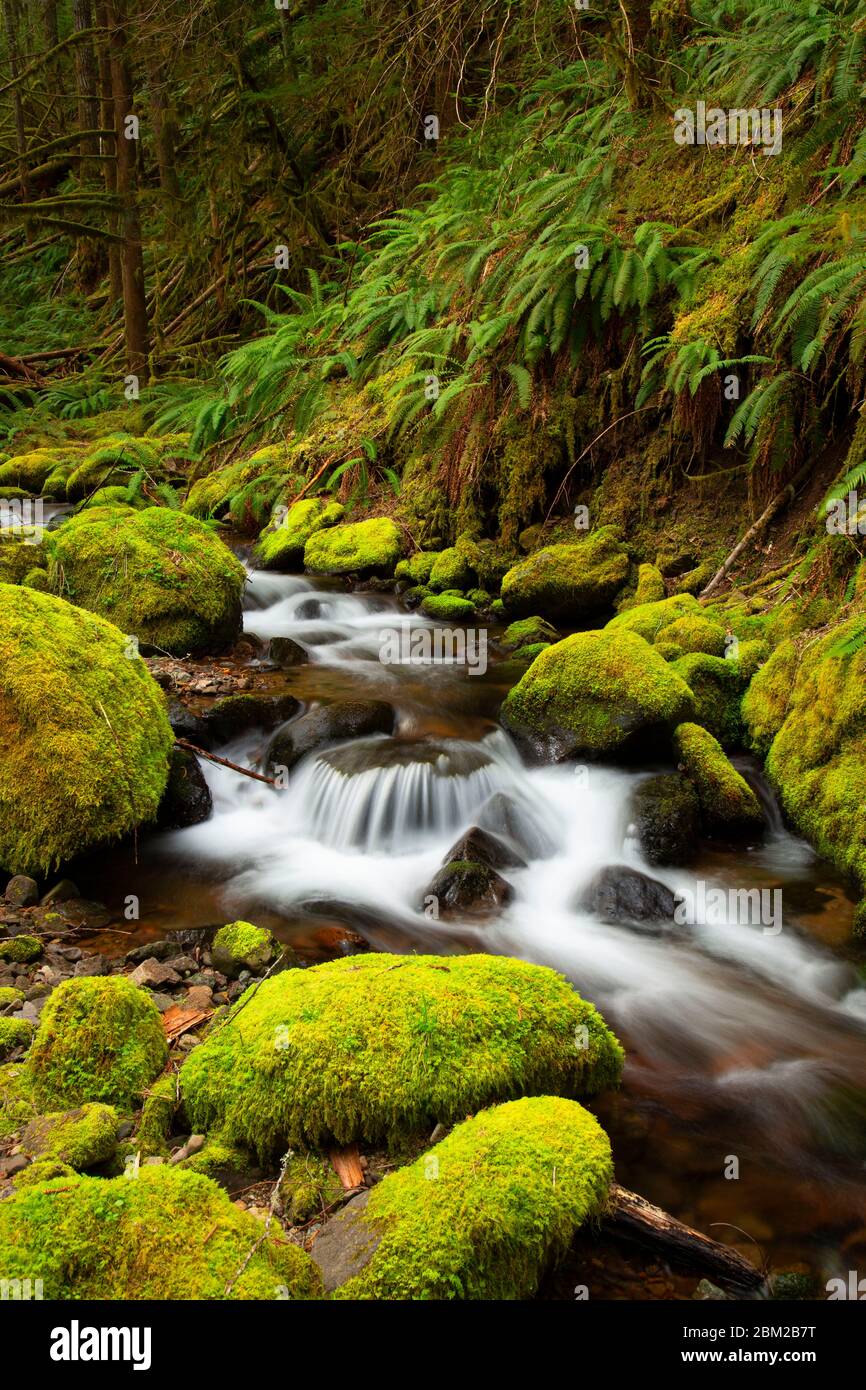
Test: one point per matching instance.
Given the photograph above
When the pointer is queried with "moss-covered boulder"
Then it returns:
(451, 570)
(157, 574)
(416, 568)
(22, 948)
(751, 656)
(650, 588)
(16, 1102)
(695, 633)
(360, 547)
(30, 471)
(99, 1039)
(485, 1212)
(379, 1047)
(10, 998)
(243, 946)
(767, 700)
(17, 558)
(82, 727)
(717, 686)
(14, 1033)
(649, 619)
(528, 632)
(593, 694)
(448, 608)
(281, 544)
(728, 804)
(81, 1138)
(166, 1234)
(567, 583)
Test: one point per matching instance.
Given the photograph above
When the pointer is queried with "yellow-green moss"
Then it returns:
(717, 686)
(241, 945)
(82, 727)
(282, 546)
(155, 573)
(111, 461)
(99, 1038)
(36, 578)
(16, 1100)
(451, 570)
(766, 702)
(593, 693)
(10, 998)
(568, 582)
(165, 1234)
(750, 657)
(20, 948)
(417, 567)
(481, 1215)
(377, 1047)
(160, 1103)
(14, 1032)
(31, 470)
(17, 558)
(649, 619)
(81, 1138)
(727, 801)
(695, 633)
(448, 608)
(528, 631)
(359, 547)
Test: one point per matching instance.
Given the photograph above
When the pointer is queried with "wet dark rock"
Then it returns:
(157, 950)
(318, 728)
(187, 725)
(502, 817)
(666, 815)
(60, 893)
(464, 888)
(624, 897)
(187, 938)
(283, 651)
(234, 714)
(92, 966)
(480, 847)
(187, 799)
(22, 891)
(346, 1244)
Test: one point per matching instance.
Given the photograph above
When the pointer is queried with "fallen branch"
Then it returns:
(779, 501)
(635, 1218)
(224, 762)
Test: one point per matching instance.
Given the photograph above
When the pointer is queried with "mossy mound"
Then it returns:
(14, 1032)
(82, 726)
(31, 470)
(17, 559)
(282, 546)
(114, 459)
(528, 632)
(377, 1047)
(481, 1215)
(695, 633)
(650, 588)
(155, 573)
(99, 1038)
(21, 948)
(248, 487)
(166, 1234)
(157, 1113)
(80, 1138)
(750, 657)
(16, 1102)
(449, 608)
(417, 567)
(567, 583)
(766, 702)
(360, 547)
(529, 652)
(668, 650)
(594, 693)
(309, 1187)
(451, 570)
(717, 686)
(243, 946)
(728, 804)
(10, 998)
(36, 578)
(649, 619)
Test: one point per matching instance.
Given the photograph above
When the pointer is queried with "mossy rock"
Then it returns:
(485, 1212)
(17, 559)
(379, 1047)
(526, 632)
(81, 1138)
(157, 1115)
(111, 462)
(750, 657)
(155, 573)
(670, 651)
(82, 726)
(717, 686)
(309, 1186)
(43, 1170)
(695, 633)
(235, 1169)
(166, 1234)
(451, 570)
(29, 471)
(728, 804)
(281, 546)
(695, 580)
(10, 998)
(649, 619)
(16, 1101)
(36, 578)
(449, 608)
(667, 818)
(243, 946)
(529, 652)
(650, 588)
(21, 948)
(99, 1038)
(593, 694)
(14, 1033)
(360, 547)
(766, 702)
(417, 567)
(567, 583)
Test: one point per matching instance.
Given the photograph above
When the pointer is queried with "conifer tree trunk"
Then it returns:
(109, 166)
(11, 17)
(85, 77)
(131, 258)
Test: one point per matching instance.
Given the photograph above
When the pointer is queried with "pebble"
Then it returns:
(90, 966)
(154, 972)
(200, 997)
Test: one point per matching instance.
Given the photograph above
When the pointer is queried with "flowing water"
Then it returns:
(743, 1094)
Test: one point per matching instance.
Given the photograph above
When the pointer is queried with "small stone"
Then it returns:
(60, 893)
(10, 1166)
(187, 1042)
(184, 965)
(200, 997)
(153, 972)
(194, 1143)
(162, 1001)
(72, 953)
(22, 891)
(153, 950)
(152, 1162)
(125, 1128)
(92, 965)
(179, 1155)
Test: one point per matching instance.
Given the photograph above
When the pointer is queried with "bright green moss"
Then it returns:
(112, 497)
(750, 656)
(157, 1113)
(14, 1032)
(649, 619)
(451, 570)
(668, 650)
(310, 1186)
(498, 610)
(36, 579)
(99, 1038)
(481, 1215)
(377, 1047)
(241, 945)
(111, 461)
(593, 693)
(530, 651)
(29, 471)
(693, 581)
(282, 546)
(417, 567)
(82, 726)
(767, 700)
(10, 998)
(650, 588)
(480, 598)
(155, 573)
(568, 582)
(717, 686)
(44, 1170)
(528, 631)
(81, 1138)
(17, 558)
(21, 948)
(727, 801)
(449, 608)
(16, 1100)
(359, 547)
(165, 1234)
(695, 633)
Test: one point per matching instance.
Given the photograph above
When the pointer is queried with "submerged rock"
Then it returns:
(666, 814)
(480, 1215)
(378, 1047)
(467, 888)
(593, 694)
(319, 728)
(187, 798)
(517, 826)
(480, 847)
(567, 583)
(623, 896)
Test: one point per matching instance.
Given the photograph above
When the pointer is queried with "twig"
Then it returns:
(224, 762)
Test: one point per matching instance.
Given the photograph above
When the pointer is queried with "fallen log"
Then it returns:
(634, 1218)
(224, 762)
